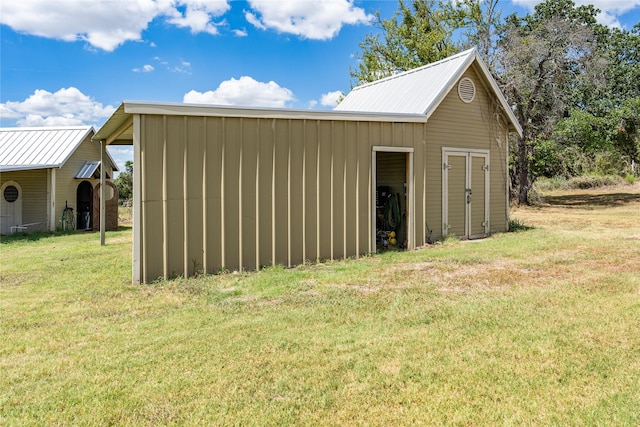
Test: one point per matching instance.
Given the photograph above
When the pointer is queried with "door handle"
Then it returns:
(468, 191)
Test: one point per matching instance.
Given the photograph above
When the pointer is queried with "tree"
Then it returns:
(599, 135)
(124, 182)
(542, 60)
(416, 35)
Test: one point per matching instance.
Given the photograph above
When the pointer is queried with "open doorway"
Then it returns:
(84, 201)
(392, 199)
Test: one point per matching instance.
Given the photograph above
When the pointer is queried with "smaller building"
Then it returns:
(44, 170)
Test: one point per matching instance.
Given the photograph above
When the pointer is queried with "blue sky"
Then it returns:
(69, 62)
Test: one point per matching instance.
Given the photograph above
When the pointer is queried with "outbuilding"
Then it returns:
(44, 170)
(422, 154)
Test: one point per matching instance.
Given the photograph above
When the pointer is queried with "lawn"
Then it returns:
(535, 327)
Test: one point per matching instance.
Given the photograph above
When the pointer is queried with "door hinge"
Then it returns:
(446, 166)
(485, 224)
(485, 167)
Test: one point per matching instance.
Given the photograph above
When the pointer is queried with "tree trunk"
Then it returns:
(522, 169)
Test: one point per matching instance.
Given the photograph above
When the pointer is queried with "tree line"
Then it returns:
(573, 84)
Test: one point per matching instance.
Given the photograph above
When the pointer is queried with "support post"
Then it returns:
(52, 200)
(103, 190)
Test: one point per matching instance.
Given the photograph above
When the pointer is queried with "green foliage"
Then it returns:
(516, 225)
(554, 183)
(593, 181)
(124, 182)
(416, 35)
(573, 83)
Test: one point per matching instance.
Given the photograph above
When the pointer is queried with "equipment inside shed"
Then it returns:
(391, 200)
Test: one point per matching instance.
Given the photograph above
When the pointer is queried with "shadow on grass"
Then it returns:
(38, 235)
(597, 200)
(35, 235)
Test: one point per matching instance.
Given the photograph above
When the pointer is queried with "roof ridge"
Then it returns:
(43, 128)
(458, 55)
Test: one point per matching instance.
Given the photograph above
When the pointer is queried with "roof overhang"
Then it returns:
(90, 170)
(17, 168)
(118, 129)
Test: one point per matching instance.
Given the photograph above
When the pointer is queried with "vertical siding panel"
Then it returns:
(230, 201)
(296, 192)
(324, 190)
(418, 184)
(214, 170)
(205, 198)
(240, 142)
(273, 193)
(152, 205)
(364, 187)
(174, 219)
(185, 199)
(194, 223)
(248, 193)
(281, 171)
(338, 178)
(257, 190)
(265, 191)
(310, 190)
(351, 190)
(427, 230)
(223, 235)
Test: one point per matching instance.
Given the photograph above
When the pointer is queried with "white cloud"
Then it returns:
(184, 67)
(331, 99)
(240, 33)
(66, 107)
(244, 91)
(197, 14)
(146, 68)
(105, 24)
(610, 9)
(318, 19)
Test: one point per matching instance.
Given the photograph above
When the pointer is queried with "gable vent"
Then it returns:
(466, 90)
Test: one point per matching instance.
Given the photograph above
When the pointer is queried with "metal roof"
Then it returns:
(421, 90)
(88, 170)
(24, 148)
(118, 129)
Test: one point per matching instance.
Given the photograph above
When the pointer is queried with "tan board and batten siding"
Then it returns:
(240, 193)
(476, 125)
(240, 188)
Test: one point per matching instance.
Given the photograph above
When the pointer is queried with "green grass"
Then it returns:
(538, 327)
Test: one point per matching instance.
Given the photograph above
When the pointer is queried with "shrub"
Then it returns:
(550, 184)
(516, 225)
(593, 181)
(630, 178)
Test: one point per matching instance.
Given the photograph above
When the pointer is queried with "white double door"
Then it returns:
(465, 193)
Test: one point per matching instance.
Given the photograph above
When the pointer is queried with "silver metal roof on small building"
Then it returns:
(420, 90)
(89, 170)
(25, 148)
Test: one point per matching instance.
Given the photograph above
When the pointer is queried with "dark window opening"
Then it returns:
(11, 193)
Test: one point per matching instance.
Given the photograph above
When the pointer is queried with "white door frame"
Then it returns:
(410, 190)
(468, 154)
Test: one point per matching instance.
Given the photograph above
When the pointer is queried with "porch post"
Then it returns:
(103, 190)
(52, 199)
